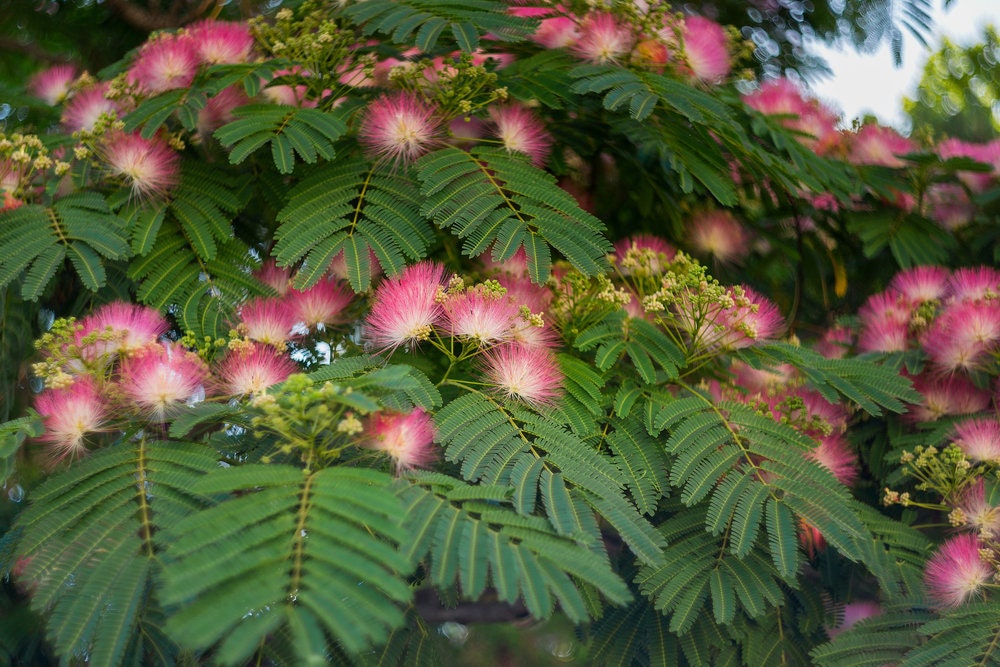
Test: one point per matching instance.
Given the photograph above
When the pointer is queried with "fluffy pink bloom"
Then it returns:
(986, 153)
(602, 39)
(405, 308)
(753, 318)
(149, 166)
(253, 369)
(86, 106)
(662, 253)
(963, 335)
(523, 292)
(267, 320)
(956, 573)
(760, 380)
(883, 336)
(979, 439)
(974, 283)
(874, 144)
(319, 305)
(977, 512)
(408, 439)
(836, 455)
(167, 61)
(948, 204)
(854, 612)
(484, 318)
(706, 49)
(291, 95)
(554, 32)
(158, 378)
(52, 84)
(219, 110)
(120, 328)
(816, 122)
(222, 42)
(278, 279)
(399, 127)
(520, 372)
(719, 234)
(921, 283)
(69, 414)
(835, 342)
(521, 131)
(951, 395)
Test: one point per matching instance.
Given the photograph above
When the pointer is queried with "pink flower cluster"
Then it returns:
(420, 305)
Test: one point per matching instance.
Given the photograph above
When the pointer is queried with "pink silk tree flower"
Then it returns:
(706, 49)
(521, 131)
(267, 320)
(159, 378)
(252, 369)
(407, 438)
(120, 328)
(319, 305)
(523, 373)
(69, 414)
(85, 108)
(406, 309)
(52, 84)
(602, 39)
(149, 166)
(222, 42)
(399, 127)
(165, 62)
(956, 574)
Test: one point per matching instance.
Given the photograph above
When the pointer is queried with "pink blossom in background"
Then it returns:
(706, 49)
(222, 42)
(267, 320)
(165, 62)
(86, 107)
(407, 438)
(52, 85)
(521, 131)
(252, 369)
(602, 39)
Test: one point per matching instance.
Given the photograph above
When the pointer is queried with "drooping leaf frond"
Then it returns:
(884, 638)
(291, 131)
(96, 537)
(490, 198)
(654, 356)
(35, 242)
(352, 207)
(424, 21)
(521, 557)
(313, 552)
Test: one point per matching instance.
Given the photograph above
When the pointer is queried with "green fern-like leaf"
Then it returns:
(489, 198)
(968, 635)
(878, 640)
(316, 553)
(422, 22)
(351, 207)
(653, 355)
(92, 540)
(35, 241)
(643, 463)
(872, 387)
(291, 131)
(521, 557)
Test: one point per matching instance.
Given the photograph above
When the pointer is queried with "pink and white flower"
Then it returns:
(706, 49)
(267, 320)
(399, 127)
(408, 439)
(160, 378)
(251, 370)
(521, 131)
(120, 328)
(602, 39)
(956, 574)
(52, 84)
(406, 308)
(165, 62)
(69, 414)
(222, 42)
(85, 108)
(319, 305)
(979, 439)
(523, 373)
(149, 166)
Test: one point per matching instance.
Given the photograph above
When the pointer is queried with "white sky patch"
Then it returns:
(869, 83)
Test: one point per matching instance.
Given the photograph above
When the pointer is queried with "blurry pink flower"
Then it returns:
(267, 320)
(484, 318)
(68, 415)
(948, 205)
(883, 336)
(874, 144)
(253, 369)
(975, 283)
(86, 106)
(520, 372)
(835, 342)
(159, 378)
(408, 439)
(836, 455)
(963, 335)
(120, 328)
(320, 305)
(950, 395)
(921, 283)
(149, 166)
(956, 574)
(988, 153)
(399, 127)
(222, 42)
(554, 32)
(719, 234)
(756, 318)
(977, 513)
(706, 49)
(52, 84)
(405, 308)
(979, 439)
(662, 253)
(278, 279)
(521, 131)
(602, 39)
(816, 122)
(854, 612)
(165, 62)
(218, 110)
